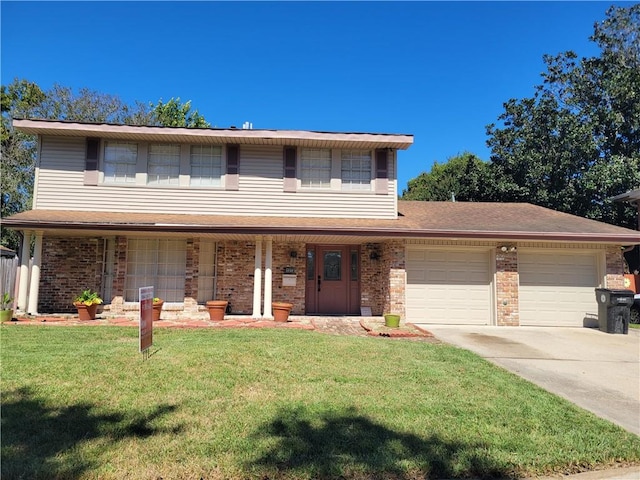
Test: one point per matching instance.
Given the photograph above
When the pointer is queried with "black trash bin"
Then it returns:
(614, 307)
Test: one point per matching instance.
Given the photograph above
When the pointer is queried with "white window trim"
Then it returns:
(223, 168)
(142, 166)
(173, 183)
(102, 177)
(336, 175)
(366, 187)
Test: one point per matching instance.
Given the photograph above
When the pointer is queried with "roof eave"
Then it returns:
(213, 135)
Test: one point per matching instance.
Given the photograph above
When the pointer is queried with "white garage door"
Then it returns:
(557, 289)
(448, 286)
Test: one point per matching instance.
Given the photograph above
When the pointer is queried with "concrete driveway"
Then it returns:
(598, 371)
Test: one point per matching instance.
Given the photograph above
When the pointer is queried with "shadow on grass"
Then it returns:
(44, 441)
(348, 445)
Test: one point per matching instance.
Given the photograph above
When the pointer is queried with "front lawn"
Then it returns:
(80, 402)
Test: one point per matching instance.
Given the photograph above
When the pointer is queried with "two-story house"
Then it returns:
(311, 218)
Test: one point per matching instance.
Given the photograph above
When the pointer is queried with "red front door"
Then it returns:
(332, 279)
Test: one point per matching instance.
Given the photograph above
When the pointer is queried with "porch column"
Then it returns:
(268, 285)
(34, 290)
(257, 279)
(23, 286)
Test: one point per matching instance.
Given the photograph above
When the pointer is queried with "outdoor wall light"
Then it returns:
(374, 255)
(509, 248)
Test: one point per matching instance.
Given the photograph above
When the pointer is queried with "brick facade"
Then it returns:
(71, 265)
(236, 265)
(372, 278)
(289, 255)
(615, 268)
(507, 305)
(394, 277)
(235, 274)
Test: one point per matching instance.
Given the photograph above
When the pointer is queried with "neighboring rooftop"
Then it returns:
(632, 196)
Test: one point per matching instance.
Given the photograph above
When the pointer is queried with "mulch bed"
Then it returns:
(377, 328)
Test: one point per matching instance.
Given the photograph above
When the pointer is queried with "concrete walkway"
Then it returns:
(597, 371)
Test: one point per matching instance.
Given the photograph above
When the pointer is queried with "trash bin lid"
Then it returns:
(621, 293)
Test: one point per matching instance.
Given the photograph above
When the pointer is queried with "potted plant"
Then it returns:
(87, 304)
(281, 311)
(157, 308)
(391, 320)
(6, 312)
(217, 309)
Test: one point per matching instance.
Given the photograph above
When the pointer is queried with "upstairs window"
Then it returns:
(356, 170)
(206, 166)
(164, 165)
(120, 162)
(315, 168)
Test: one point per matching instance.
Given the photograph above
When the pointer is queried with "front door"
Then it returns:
(332, 279)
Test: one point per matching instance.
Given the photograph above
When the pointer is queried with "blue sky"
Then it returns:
(438, 70)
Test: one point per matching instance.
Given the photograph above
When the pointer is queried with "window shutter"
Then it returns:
(232, 179)
(290, 180)
(382, 171)
(91, 161)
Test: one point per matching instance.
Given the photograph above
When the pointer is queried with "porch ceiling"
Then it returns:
(293, 238)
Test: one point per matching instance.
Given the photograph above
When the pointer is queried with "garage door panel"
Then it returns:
(448, 286)
(557, 289)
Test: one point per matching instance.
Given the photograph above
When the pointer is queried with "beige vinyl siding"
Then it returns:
(61, 173)
(261, 189)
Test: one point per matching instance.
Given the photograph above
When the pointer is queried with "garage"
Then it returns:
(448, 286)
(557, 288)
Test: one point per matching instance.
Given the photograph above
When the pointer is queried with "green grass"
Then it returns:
(80, 402)
(634, 325)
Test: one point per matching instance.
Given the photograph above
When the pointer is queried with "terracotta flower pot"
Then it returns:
(281, 311)
(157, 310)
(216, 309)
(86, 312)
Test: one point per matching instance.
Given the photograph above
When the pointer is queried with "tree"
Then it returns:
(464, 177)
(25, 99)
(17, 151)
(175, 114)
(576, 142)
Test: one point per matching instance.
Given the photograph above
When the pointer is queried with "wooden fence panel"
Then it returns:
(8, 273)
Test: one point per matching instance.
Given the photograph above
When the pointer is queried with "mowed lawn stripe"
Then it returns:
(80, 402)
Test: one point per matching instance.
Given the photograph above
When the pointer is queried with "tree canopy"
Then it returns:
(25, 99)
(576, 142)
(461, 178)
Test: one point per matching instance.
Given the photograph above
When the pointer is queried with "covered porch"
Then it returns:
(329, 274)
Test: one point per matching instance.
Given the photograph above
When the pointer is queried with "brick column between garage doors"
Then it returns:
(507, 304)
(615, 268)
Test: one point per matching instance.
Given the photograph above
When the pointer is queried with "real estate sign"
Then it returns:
(146, 318)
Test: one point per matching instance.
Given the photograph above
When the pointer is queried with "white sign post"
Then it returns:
(146, 319)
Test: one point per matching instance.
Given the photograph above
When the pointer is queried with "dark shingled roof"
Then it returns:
(459, 220)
